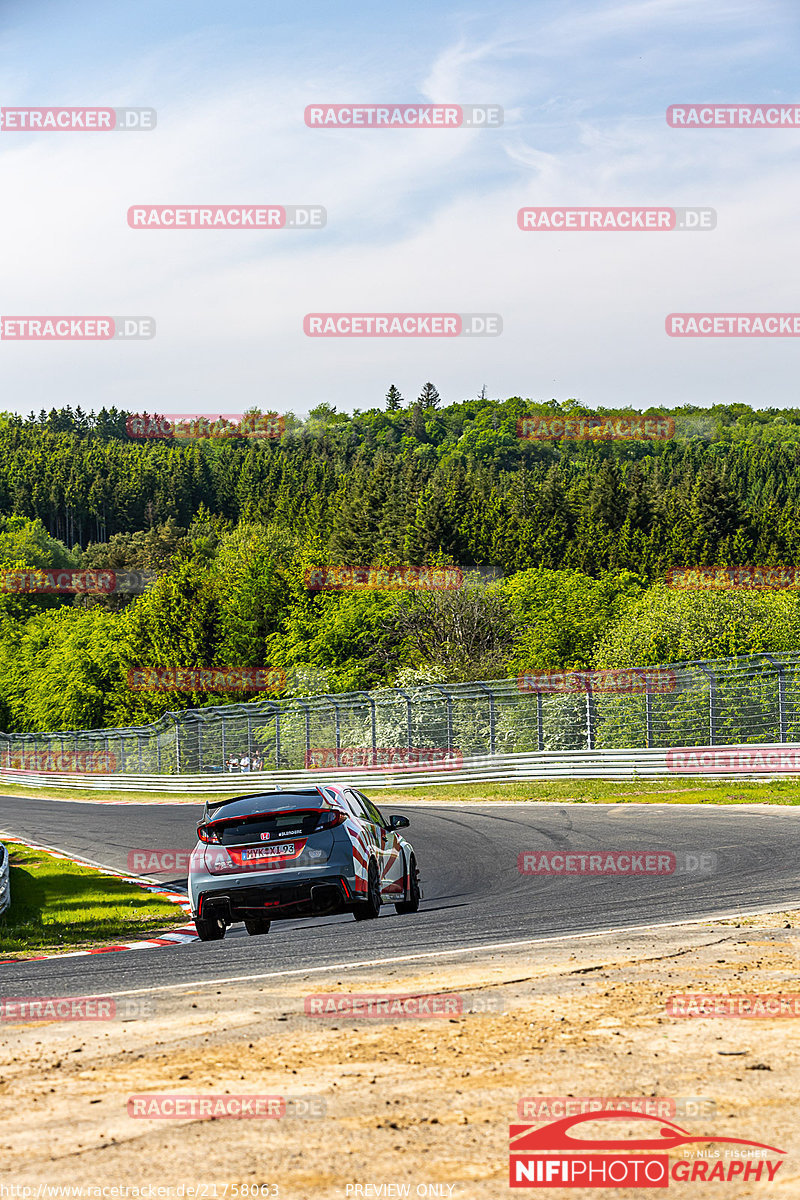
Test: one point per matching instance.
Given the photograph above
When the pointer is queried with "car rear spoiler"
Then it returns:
(212, 804)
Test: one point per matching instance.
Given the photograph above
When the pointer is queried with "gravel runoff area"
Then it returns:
(423, 1102)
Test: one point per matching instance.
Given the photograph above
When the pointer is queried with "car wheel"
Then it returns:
(256, 925)
(411, 905)
(371, 907)
(209, 929)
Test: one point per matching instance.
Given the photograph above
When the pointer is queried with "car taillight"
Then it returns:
(207, 834)
(330, 818)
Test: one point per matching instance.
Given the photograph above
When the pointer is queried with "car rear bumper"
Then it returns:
(312, 896)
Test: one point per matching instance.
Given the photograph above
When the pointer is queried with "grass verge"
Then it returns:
(58, 905)
(665, 790)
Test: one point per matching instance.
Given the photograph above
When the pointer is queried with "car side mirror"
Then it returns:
(399, 822)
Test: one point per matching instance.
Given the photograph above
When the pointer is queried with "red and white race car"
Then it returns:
(301, 853)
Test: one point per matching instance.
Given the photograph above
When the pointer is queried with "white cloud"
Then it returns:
(418, 221)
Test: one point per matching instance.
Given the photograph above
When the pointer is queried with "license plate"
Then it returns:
(276, 851)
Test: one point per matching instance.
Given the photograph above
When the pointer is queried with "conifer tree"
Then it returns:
(394, 400)
(429, 397)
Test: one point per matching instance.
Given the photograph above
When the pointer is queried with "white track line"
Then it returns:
(441, 953)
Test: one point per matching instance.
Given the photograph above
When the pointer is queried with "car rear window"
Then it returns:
(270, 802)
(277, 826)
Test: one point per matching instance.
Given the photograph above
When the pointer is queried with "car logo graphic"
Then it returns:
(550, 1156)
(265, 837)
(556, 1136)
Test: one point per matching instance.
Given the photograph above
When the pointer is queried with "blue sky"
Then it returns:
(418, 220)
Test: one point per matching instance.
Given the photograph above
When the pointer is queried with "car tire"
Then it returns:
(411, 905)
(370, 908)
(256, 925)
(209, 929)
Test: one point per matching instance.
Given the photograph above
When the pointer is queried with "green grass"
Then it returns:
(666, 790)
(58, 906)
(606, 791)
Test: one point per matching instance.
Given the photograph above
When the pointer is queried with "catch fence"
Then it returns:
(719, 702)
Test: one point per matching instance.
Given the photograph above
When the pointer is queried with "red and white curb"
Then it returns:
(174, 937)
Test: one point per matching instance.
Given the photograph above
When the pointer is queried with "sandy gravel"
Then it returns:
(423, 1102)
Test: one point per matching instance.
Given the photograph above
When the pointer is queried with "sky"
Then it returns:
(418, 220)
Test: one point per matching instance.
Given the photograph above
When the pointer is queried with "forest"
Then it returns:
(565, 547)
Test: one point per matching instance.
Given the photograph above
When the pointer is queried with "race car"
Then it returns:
(307, 852)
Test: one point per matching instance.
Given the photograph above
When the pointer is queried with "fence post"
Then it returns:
(712, 701)
(648, 704)
(490, 694)
(449, 701)
(407, 699)
(590, 722)
(539, 721)
(177, 748)
(338, 729)
(781, 692)
(307, 715)
(373, 723)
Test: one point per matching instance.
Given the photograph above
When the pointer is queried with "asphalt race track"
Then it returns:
(474, 893)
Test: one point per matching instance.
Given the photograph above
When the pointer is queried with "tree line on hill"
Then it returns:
(400, 484)
(564, 546)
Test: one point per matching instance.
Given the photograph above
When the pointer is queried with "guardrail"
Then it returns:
(766, 760)
(747, 699)
(5, 879)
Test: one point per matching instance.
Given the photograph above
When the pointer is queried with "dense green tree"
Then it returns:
(666, 625)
